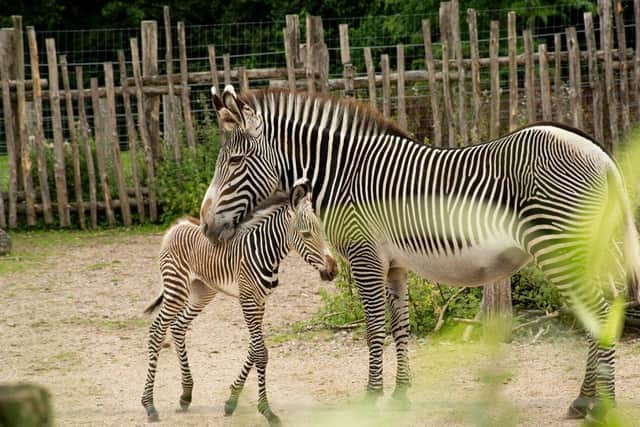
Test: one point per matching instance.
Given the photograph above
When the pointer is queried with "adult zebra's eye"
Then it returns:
(305, 234)
(235, 160)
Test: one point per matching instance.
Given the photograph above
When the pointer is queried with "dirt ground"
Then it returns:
(71, 319)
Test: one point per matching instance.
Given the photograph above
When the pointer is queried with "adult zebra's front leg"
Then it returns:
(199, 296)
(369, 272)
(398, 301)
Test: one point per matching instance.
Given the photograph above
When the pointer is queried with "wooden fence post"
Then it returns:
(402, 108)
(513, 71)
(123, 195)
(345, 57)
(291, 47)
(545, 83)
(497, 310)
(457, 51)
(75, 154)
(58, 141)
(449, 116)
(171, 133)
(132, 135)
(494, 120)
(317, 56)
(226, 63)
(88, 152)
(371, 77)
(386, 86)
(433, 86)
(45, 194)
(476, 94)
(594, 78)
(557, 73)
(184, 82)
(143, 130)
(529, 76)
(149, 41)
(100, 138)
(23, 133)
(6, 53)
(636, 55)
(575, 78)
(606, 45)
(622, 60)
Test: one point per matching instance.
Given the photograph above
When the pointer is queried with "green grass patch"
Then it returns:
(109, 324)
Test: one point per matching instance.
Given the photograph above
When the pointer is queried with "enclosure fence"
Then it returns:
(146, 91)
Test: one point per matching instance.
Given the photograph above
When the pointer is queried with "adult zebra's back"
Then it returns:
(463, 216)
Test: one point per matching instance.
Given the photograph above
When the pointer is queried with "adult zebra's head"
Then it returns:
(246, 170)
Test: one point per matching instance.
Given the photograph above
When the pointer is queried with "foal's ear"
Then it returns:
(299, 192)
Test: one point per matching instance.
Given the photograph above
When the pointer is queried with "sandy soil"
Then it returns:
(71, 320)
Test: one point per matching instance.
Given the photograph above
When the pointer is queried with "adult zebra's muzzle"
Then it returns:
(219, 233)
(330, 269)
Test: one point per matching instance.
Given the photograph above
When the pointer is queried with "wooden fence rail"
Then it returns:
(595, 72)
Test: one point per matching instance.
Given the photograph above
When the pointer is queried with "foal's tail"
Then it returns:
(155, 304)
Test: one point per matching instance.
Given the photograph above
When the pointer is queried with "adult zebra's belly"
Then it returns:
(478, 265)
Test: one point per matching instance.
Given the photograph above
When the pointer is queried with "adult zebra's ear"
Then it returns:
(229, 119)
(299, 192)
(234, 113)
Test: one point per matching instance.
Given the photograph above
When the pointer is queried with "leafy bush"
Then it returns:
(531, 290)
(343, 306)
(181, 185)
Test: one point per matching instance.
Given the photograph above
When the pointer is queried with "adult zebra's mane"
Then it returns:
(367, 118)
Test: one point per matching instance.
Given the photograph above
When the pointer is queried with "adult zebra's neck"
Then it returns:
(320, 138)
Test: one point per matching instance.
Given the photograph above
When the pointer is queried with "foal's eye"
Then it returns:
(305, 234)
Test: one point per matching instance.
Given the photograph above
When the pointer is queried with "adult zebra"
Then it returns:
(464, 216)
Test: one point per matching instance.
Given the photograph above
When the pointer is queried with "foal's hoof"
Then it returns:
(185, 402)
(152, 415)
(230, 405)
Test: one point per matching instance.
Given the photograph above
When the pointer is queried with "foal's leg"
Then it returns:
(200, 295)
(398, 300)
(165, 317)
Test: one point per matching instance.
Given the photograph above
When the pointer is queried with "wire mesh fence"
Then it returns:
(260, 45)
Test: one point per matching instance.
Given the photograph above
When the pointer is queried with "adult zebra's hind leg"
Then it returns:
(398, 302)
(564, 264)
(199, 296)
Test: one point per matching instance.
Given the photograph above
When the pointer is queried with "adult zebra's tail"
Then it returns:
(155, 304)
(631, 248)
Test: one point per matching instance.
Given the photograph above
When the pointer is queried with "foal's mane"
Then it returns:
(355, 109)
(264, 210)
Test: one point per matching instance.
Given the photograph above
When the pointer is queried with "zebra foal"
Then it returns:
(246, 267)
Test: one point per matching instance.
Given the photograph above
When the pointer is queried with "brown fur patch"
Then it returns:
(205, 207)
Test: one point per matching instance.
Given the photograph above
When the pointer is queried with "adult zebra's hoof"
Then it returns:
(274, 420)
(580, 408)
(152, 415)
(399, 402)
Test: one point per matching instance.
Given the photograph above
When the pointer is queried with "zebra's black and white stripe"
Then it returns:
(466, 216)
(246, 267)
